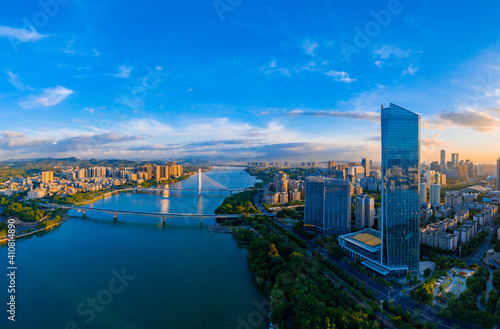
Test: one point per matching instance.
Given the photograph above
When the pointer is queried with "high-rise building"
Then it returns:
(328, 205)
(423, 192)
(443, 159)
(498, 174)
(281, 182)
(331, 164)
(454, 160)
(47, 176)
(365, 162)
(401, 187)
(435, 195)
(364, 211)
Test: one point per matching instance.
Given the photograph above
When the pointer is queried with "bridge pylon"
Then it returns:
(199, 181)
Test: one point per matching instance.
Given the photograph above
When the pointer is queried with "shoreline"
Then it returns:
(64, 219)
(113, 192)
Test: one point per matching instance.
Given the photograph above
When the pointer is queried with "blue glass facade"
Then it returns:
(401, 188)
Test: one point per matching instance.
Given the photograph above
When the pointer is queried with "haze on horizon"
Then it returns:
(149, 80)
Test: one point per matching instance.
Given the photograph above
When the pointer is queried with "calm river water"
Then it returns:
(135, 273)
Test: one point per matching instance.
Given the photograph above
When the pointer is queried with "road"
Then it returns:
(483, 247)
(425, 313)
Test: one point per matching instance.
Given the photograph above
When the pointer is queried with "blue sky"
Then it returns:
(245, 80)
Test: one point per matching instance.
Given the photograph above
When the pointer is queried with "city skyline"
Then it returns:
(292, 84)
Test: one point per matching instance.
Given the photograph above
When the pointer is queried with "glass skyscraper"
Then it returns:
(401, 187)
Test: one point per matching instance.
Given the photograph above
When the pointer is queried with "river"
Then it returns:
(135, 272)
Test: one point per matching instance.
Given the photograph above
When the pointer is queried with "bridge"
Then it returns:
(163, 216)
(217, 187)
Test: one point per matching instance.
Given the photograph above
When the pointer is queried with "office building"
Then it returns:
(443, 159)
(364, 211)
(435, 194)
(328, 205)
(395, 249)
(423, 193)
(365, 163)
(454, 160)
(498, 174)
(401, 188)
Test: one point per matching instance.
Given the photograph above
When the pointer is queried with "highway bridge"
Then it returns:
(163, 216)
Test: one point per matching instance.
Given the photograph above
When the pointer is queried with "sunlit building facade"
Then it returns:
(401, 187)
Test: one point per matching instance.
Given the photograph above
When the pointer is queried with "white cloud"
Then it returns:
(273, 69)
(340, 76)
(49, 97)
(480, 121)
(387, 51)
(366, 115)
(410, 70)
(379, 63)
(309, 47)
(16, 82)
(21, 34)
(123, 72)
(95, 52)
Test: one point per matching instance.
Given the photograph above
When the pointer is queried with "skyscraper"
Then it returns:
(328, 205)
(498, 174)
(454, 160)
(443, 159)
(401, 187)
(435, 195)
(365, 162)
(364, 211)
(423, 192)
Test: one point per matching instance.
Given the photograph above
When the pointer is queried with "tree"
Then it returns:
(427, 272)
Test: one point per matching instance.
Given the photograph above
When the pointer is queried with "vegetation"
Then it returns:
(301, 295)
(331, 245)
(469, 248)
(465, 308)
(3, 229)
(153, 182)
(27, 212)
(29, 168)
(84, 196)
(424, 293)
(299, 228)
(241, 203)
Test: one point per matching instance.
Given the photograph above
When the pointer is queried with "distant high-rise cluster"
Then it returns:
(283, 190)
(153, 171)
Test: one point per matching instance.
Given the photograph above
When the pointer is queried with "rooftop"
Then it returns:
(368, 239)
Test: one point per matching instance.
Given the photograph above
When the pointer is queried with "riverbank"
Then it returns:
(107, 194)
(63, 219)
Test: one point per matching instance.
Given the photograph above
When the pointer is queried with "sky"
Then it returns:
(246, 80)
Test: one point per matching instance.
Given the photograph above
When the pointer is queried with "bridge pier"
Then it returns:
(115, 217)
(163, 220)
(84, 213)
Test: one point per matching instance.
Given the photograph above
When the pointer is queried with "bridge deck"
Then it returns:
(154, 214)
